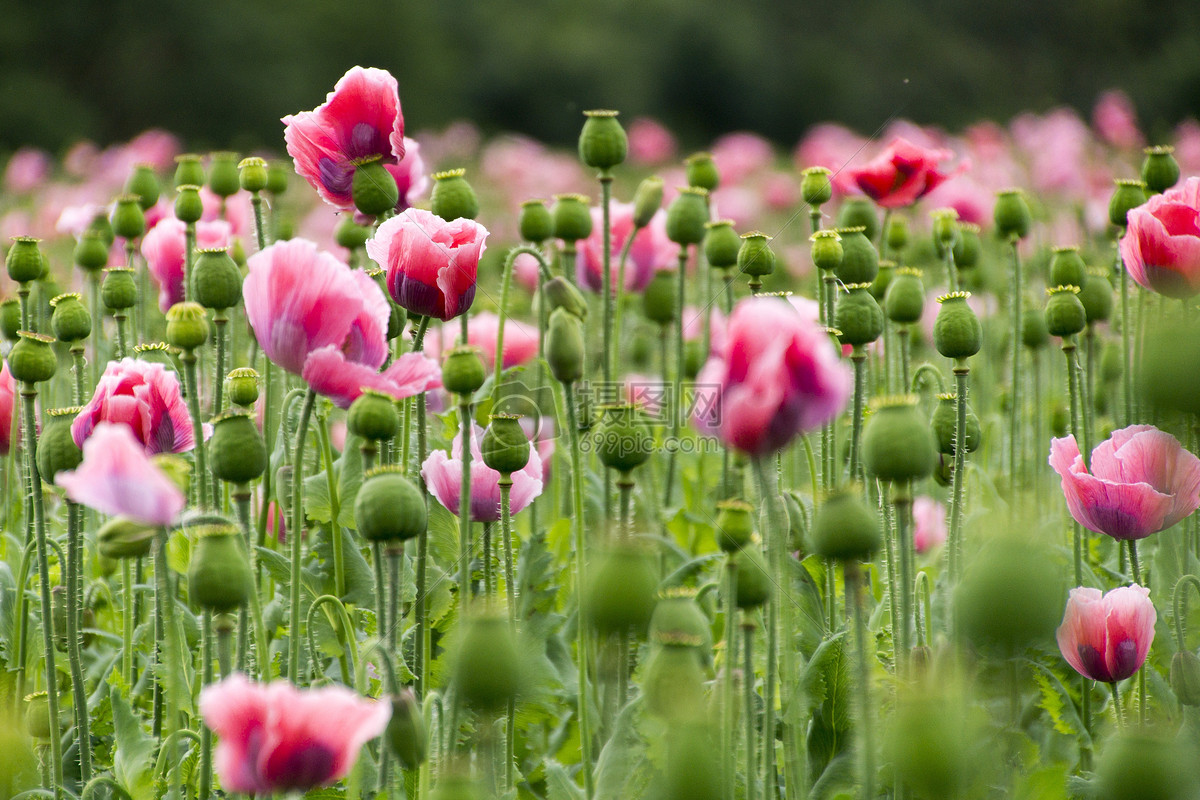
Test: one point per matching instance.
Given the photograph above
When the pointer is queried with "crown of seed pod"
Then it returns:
(32, 358)
(860, 259)
(859, 212)
(189, 207)
(487, 669)
(897, 444)
(71, 321)
(252, 174)
(535, 223)
(647, 200)
(452, 197)
(967, 246)
(735, 525)
(406, 731)
(91, 252)
(1011, 214)
(1067, 267)
(845, 528)
(896, 234)
(702, 171)
(827, 250)
(564, 346)
(602, 142)
(241, 386)
(622, 590)
(815, 187)
(622, 441)
(144, 183)
(389, 508)
(25, 261)
(236, 450)
(219, 577)
(373, 416)
(56, 448)
(1065, 315)
(374, 191)
(1096, 295)
(216, 279)
(10, 318)
(37, 716)
(1160, 170)
(463, 371)
(753, 580)
(223, 174)
(957, 332)
(945, 419)
(756, 258)
(505, 447)
(686, 216)
(659, 298)
(904, 302)
(572, 219)
(187, 325)
(119, 289)
(1128, 195)
(128, 220)
(721, 244)
(858, 316)
(189, 170)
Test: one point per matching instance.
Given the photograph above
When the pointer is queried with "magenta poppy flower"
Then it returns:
(431, 264)
(8, 401)
(143, 396)
(117, 477)
(360, 119)
(1142, 482)
(1161, 247)
(777, 376)
(165, 248)
(929, 524)
(443, 475)
(300, 299)
(902, 174)
(275, 738)
(328, 372)
(651, 250)
(1106, 637)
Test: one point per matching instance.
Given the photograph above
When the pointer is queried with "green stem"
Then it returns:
(859, 359)
(221, 335)
(577, 523)
(465, 546)
(206, 633)
(78, 368)
(241, 500)
(127, 621)
(1116, 696)
(866, 726)
(905, 354)
(673, 404)
(1126, 349)
(510, 591)
(335, 506)
(260, 232)
(902, 503)
(954, 547)
(97, 311)
(619, 300)
(729, 717)
(505, 284)
(189, 258)
(297, 535)
(1015, 389)
(122, 349)
(486, 550)
(74, 594)
(168, 668)
(193, 392)
(340, 621)
(269, 436)
(1180, 603)
(606, 180)
(748, 710)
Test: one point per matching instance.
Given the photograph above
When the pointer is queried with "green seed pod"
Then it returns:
(904, 302)
(660, 297)
(694, 357)
(1011, 214)
(252, 174)
(845, 528)
(189, 207)
(622, 590)
(692, 772)
(896, 234)
(721, 244)
(535, 222)
(702, 171)
(487, 668)
(686, 216)
(859, 212)
(897, 444)
(216, 279)
(929, 743)
(144, 183)
(10, 318)
(71, 321)
(187, 325)
(1139, 765)
(175, 467)
(373, 416)
(37, 716)
(128, 220)
(25, 260)
(827, 250)
(561, 293)
(1065, 315)
(32, 358)
(944, 421)
(753, 579)
(223, 177)
(1110, 363)
(860, 259)
(735, 525)
(463, 371)
(1185, 677)
(350, 235)
(389, 508)
(1067, 267)
(406, 731)
(957, 332)
(189, 170)
(623, 440)
(278, 175)
(505, 447)
(452, 197)
(945, 230)
(219, 576)
(647, 200)
(119, 290)
(91, 252)
(56, 448)
(815, 187)
(1028, 577)
(879, 286)
(1160, 170)
(572, 219)
(374, 190)
(241, 386)
(673, 681)
(1033, 329)
(967, 246)
(1127, 196)
(756, 258)
(677, 615)
(602, 142)
(564, 346)
(1096, 295)
(858, 316)
(122, 537)
(236, 449)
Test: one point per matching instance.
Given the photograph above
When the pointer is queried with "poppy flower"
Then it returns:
(145, 397)
(902, 174)
(1106, 637)
(1161, 246)
(443, 475)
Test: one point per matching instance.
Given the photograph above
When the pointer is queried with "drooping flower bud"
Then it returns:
(1127, 196)
(122, 537)
(32, 358)
(702, 171)
(721, 244)
(144, 183)
(844, 528)
(1011, 214)
(187, 325)
(373, 189)
(505, 447)
(128, 220)
(756, 258)
(463, 371)
(561, 293)
(71, 321)
(216, 279)
(119, 289)
(236, 450)
(1185, 677)
(56, 448)
(572, 219)
(452, 197)
(827, 249)
(622, 441)
(25, 261)
(389, 508)
(535, 222)
(647, 200)
(219, 576)
(686, 216)
(372, 416)
(660, 297)
(1160, 170)
(564, 346)
(1065, 315)
(957, 332)
(905, 298)
(252, 174)
(897, 444)
(223, 174)
(859, 212)
(860, 259)
(943, 424)
(815, 186)
(602, 142)
(858, 316)
(405, 733)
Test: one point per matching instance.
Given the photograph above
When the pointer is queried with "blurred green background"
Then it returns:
(222, 72)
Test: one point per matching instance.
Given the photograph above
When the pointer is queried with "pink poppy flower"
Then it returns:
(443, 475)
(902, 174)
(483, 329)
(412, 179)
(236, 209)
(275, 738)
(144, 397)
(28, 169)
(1116, 120)
(777, 377)
(929, 524)
(1106, 637)
(359, 119)
(651, 250)
(1161, 248)
(300, 299)
(8, 400)
(431, 263)
(165, 246)
(117, 477)
(650, 142)
(740, 154)
(1142, 482)
(525, 271)
(328, 372)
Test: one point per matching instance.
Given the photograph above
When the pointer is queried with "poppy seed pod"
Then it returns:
(534, 222)
(189, 208)
(879, 286)
(702, 171)
(721, 244)
(373, 189)
(189, 170)
(561, 293)
(128, 220)
(572, 220)
(143, 183)
(25, 261)
(622, 590)
(945, 230)
(686, 216)
(56, 448)
(659, 302)
(944, 421)
(223, 177)
(677, 615)
(905, 299)
(858, 316)
(756, 258)
(1033, 329)
(859, 212)
(735, 525)
(37, 716)
(10, 318)
(967, 246)
(487, 670)
(350, 235)
(827, 250)
(860, 259)
(815, 187)
(602, 142)
(647, 200)
(1011, 214)
(957, 332)
(241, 386)
(452, 197)
(564, 346)
(278, 175)
(32, 358)
(673, 681)
(896, 234)
(187, 325)
(389, 508)
(463, 371)
(373, 416)
(1065, 315)
(236, 450)
(1096, 295)
(216, 279)
(622, 441)
(252, 174)
(119, 289)
(219, 577)
(1067, 267)
(122, 537)
(1127, 196)
(1029, 579)
(71, 321)
(753, 579)
(406, 734)
(845, 528)
(505, 447)
(897, 444)
(91, 252)
(1160, 170)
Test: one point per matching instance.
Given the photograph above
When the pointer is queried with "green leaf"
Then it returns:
(360, 580)
(443, 533)
(133, 763)
(350, 475)
(558, 785)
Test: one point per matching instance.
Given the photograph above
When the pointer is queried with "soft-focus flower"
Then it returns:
(525, 271)
(1116, 120)
(740, 154)
(483, 329)
(833, 147)
(431, 263)
(1142, 482)
(412, 179)
(778, 376)
(650, 142)
(8, 401)
(929, 524)
(1056, 145)
(651, 250)
(359, 119)
(117, 476)
(443, 475)
(144, 397)
(275, 738)
(1106, 637)
(1161, 248)
(28, 169)
(165, 248)
(329, 373)
(902, 174)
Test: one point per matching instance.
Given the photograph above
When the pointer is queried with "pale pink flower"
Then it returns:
(650, 142)
(741, 154)
(443, 475)
(165, 246)
(117, 477)
(27, 169)
(8, 402)
(651, 250)
(520, 339)
(328, 372)
(929, 524)
(1106, 637)
(834, 147)
(1116, 120)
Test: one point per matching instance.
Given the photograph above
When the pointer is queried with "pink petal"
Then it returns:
(116, 477)
(1130, 625)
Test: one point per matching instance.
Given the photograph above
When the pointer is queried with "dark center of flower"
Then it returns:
(304, 767)
(334, 176)
(1093, 663)
(1124, 659)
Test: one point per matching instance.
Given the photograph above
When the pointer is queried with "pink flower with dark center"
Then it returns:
(651, 250)
(443, 475)
(328, 372)
(778, 376)
(431, 264)
(275, 738)
(117, 477)
(1161, 248)
(1142, 481)
(144, 397)
(929, 524)
(360, 119)
(1106, 637)
(8, 400)
(902, 174)
(165, 246)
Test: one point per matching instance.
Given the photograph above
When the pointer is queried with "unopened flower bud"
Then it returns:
(219, 577)
(119, 289)
(144, 183)
(452, 197)
(561, 293)
(505, 447)
(189, 207)
(252, 174)
(216, 279)
(647, 200)
(1065, 315)
(702, 171)
(373, 189)
(463, 371)
(721, 244)
(1185, 677)
(389, 508)
(122, 537)
(565, 346)
(189, 170)
(32, 358)
(406, 731)
(945, 230)
(71, 321)
(535, 222)
(816, 187)
(1012, 215)
(572, 219)
(602, 142)
(1160, 170)
(686, 216)
(236, 449)
(957, 332)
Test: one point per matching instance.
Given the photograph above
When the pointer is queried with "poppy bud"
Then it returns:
(505, 447)
(10, 318)
(815, 186)
(702, 171)
(463, 371)
(119, 290)
(827, 250)
(1065, 315)
(223, 174)
(389, 508)
(956, 331)
(1160, 170)
(373, 416)
(374, 190)
(735, 525)
(622, 590)
(189, 207)
(844, 528)
(647, 200)
(1096, 295)
(236, 449)
(452, 197)
(753, 580)
(622, 441)
(350, 235)
(487, 668)
(860, 259)
(128, 220)
(944, 422)
(572, 219)
(535, 223)
(945, 230)
(252, 174)
(32, 359)
(1011, 214)
(659, 298)
(905, 299)
(1127, 196)
(1028, 578)
(278, 175)
(143, 183)
(721, 244)
(406, 731)
(1067, 267)
(561, 293)
(37, 716)
(897, 444)
(216, 279)
(122, 537)
(187, 325)
(241, 386)
(686, 216)
(25, 260)
(967, 246)
(189, 170)
(71, 321)
(756, 258)
(564, 346)
(91, 252)
(602, 142)
(896, 235)
(56, 448)
(858, 316)
(219, 576)
(1185, 677)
